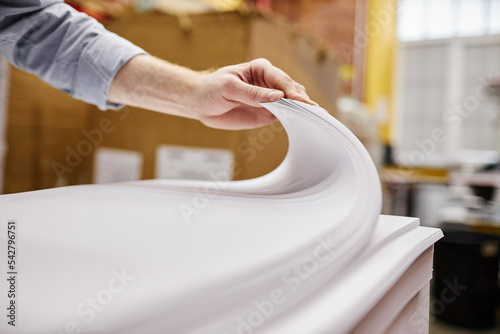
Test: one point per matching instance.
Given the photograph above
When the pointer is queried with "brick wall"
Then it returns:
(331, 21)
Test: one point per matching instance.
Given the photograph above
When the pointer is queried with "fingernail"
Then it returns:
(275, 95)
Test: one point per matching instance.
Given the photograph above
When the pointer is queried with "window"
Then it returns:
(449, 52)
(431, 19)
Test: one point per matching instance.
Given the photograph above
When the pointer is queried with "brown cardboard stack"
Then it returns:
(46, 129)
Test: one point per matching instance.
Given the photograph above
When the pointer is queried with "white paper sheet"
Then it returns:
(167, 256)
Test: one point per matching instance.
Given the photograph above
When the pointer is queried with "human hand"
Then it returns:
(230, 97)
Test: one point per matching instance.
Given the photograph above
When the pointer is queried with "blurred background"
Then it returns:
(418, 81)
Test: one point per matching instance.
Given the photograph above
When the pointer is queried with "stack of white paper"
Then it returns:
(296, 251)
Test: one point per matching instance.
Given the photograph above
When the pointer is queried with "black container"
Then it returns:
(466, 267)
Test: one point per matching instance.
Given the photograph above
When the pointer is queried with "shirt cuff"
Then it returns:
(100, 61)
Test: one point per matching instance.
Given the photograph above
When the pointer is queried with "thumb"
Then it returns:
(252, 95)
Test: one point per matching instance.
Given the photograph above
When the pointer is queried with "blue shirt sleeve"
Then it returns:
(65, 48)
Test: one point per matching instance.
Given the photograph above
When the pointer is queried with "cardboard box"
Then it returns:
(52, 138)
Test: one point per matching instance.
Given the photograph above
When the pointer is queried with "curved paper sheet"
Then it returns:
(178, 256)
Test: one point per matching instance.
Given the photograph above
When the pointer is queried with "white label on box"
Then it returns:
(115, 165)
(178, 162)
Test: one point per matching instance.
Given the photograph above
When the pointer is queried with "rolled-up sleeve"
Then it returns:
(65, 48)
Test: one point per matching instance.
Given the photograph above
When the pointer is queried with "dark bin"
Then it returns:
(466, 266)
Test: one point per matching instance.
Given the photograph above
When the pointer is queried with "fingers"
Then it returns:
(264, 74)
(239, 91)
(299, 88)
(240, 118)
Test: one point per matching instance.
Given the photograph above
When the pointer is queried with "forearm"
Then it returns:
(151, 83)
